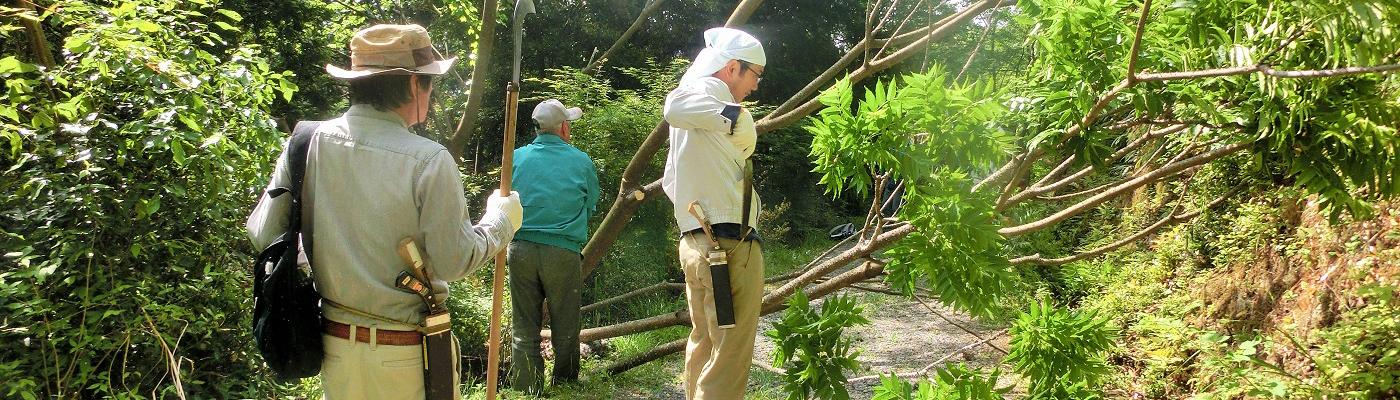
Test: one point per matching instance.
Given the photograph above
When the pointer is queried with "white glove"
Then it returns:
(509, 206)
(745, 137)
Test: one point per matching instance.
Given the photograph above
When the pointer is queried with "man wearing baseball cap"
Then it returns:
(712, 137)
(558, 187)
(370, 183)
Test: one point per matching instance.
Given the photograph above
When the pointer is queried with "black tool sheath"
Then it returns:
(724, 295)
(437, 356)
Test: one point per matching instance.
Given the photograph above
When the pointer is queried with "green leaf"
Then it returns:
(146, 26)
(10, 65)
(230, 14)
(178, 150)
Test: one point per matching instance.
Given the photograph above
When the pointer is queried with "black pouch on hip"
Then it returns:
(724, 296)
(438, 354)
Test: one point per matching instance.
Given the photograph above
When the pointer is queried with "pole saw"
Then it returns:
(493, 344)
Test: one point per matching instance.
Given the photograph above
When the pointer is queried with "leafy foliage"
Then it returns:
(934, 136)
(1061, 351)
(1360, 357)
(956, 382)
(811, 348)
(1331, 136)
(130, 168)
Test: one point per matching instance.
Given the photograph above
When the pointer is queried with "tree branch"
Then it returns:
(1091, 202)
(776, 120)
(954, 323)
(1036, 190)
(1171, 219)
(742, 12)
(647, 11)
(924, 371)
(1266, 70)
(659, 286)
(1137, 39)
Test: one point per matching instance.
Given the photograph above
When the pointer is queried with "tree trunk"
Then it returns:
(485, 43)
(38, 44)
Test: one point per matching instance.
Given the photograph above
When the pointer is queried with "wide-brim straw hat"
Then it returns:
(392, 50)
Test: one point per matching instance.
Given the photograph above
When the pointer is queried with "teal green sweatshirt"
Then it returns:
(558, 187)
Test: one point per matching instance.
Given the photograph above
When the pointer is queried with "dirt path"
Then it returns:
(904, 337)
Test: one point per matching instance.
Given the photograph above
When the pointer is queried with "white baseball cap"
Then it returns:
(552, 112)
(722, 45)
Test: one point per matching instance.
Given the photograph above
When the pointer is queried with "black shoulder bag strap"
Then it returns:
(296, 159)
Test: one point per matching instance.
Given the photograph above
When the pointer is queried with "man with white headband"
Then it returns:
(712, 137)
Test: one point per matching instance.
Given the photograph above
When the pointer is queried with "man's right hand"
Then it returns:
(505, 205)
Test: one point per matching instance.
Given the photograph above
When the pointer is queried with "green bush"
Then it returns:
(1360, 355)
(956, 382)
(1061, 351)
(809, 345)
(130, 168)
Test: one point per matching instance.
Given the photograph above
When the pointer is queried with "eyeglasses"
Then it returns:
(758, 74)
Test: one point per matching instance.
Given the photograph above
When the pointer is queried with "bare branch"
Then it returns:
(896, 28)
(1266, 70)
(742, 12)
(1085, 205)
(980, 41)
(777, 120)
(623, 207)
(38, 43)
(1137, 39)
(1002, 172)
(954, 323)
(924, 371)
(1171, 219)
(660, 286)
(1036, 190)
(647, 11)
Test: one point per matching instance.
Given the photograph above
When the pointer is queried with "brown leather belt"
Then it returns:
(383, 336)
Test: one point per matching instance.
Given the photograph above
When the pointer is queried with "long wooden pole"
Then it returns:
(493, 344)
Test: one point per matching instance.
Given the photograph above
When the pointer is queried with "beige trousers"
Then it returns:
(717, 360)
(359, 370)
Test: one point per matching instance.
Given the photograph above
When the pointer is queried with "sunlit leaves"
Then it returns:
(812, 349)
(934, 136)
(1061, 351)
(129, 167)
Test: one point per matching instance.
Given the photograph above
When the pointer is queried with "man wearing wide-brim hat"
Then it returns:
(712, 136)
(371, 182)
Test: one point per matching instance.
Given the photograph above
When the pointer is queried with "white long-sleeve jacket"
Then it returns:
(705, 162)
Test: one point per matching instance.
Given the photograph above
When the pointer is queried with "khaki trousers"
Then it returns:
(359, 370)
(717, 360)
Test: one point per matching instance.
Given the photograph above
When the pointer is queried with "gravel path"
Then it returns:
(903, 337)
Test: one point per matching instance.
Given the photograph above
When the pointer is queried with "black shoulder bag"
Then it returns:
(286, 307)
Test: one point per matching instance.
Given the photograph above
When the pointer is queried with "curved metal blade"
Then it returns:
(522, 7)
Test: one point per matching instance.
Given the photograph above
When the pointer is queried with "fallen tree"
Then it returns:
(1120, 136)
